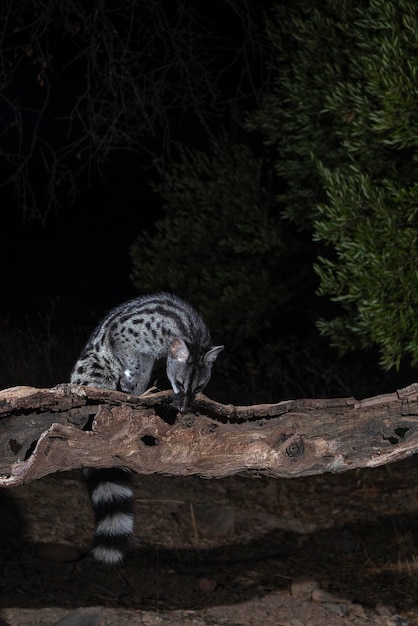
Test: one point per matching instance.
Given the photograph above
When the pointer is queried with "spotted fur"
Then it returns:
(121, 354)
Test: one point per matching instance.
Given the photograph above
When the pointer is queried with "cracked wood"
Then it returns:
(43, 431)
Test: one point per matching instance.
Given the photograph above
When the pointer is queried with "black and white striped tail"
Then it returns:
(112, 499)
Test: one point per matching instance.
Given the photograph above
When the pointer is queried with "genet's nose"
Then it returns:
(183, 402)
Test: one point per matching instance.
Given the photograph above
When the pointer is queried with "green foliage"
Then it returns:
(373, 275)
(370, 218)
(312, 44)
(343, 118)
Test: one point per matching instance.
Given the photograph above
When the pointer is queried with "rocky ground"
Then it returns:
(326, 550)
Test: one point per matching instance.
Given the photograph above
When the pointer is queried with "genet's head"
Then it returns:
(189, 374)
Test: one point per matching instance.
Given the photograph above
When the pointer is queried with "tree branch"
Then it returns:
(67, 427)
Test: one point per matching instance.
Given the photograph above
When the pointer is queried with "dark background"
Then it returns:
(65, 266)
(80, 258)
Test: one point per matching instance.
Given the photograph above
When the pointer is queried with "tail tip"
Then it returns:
(108, 555)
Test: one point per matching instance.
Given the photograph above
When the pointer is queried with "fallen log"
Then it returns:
(43, 431)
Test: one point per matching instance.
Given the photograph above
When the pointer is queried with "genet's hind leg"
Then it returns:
(136, 374)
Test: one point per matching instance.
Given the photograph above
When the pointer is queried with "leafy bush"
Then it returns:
(343, 118)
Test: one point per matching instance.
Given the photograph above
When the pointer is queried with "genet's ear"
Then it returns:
(211, 355)
(179, 351)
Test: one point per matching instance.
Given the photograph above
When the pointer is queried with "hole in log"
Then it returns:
(401, 432)
(15, 445)
(296, 448)
(89, 424)
(149, 440)
(30, 449)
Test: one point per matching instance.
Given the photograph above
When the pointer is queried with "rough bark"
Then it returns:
(43, 431)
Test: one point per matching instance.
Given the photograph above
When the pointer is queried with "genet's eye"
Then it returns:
(198, 389)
